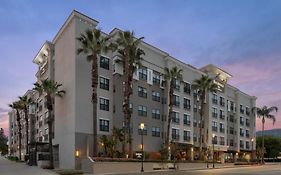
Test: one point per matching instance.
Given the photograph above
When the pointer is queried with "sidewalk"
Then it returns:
(8, 167)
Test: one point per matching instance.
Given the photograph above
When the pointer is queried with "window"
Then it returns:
(241, 144)
(156, 96)
(104, 62)
(194, 137)
(231, 142)
(156, 131)
(222, 116)
(144, 131)
(104, 125)
(143, 73)
(215, 140)
(187, 88)
(222, 128)
(176, 100)
(175, 134)
(247, 133)
(241, 121)
(104, 104)
(247, 145)
(194, 123)
(142, 92)
(231, 130)
(247, 122)
(214, 112)
(222, 141)
(247, 111)
(104, 83)
(231, 105)
(142, 111)
(186, 119)
(222, 101)
(195, 108)
(231, 118)
(214, 126)
(186, 104)
(177, 85)
(186, 136)
(241, 109)
(241, 132)
(175, 117)
(215, 99)
(156, 78)
(155, 113)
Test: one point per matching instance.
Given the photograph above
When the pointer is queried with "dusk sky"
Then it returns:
(242, 37)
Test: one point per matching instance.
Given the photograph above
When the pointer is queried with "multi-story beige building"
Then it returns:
(228, 122)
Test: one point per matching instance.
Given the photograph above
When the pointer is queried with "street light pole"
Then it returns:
(142, 156)
(213, 150)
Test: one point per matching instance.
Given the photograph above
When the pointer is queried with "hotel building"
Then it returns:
(228, 122)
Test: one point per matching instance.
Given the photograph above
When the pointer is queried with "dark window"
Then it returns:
(143, 73)
(242, 109)
(247, 111)
(175, 134)
(214, 112)
(222, 141)
(187, 88)
(142, 111)
(214, 126)
(186, 136)
(104, 125)
(142, 92)
(186, 104)
(222, 128)
(156, 113)
(156, 96)
(215, 99)
(247, 122)
(156, 131)
(241, 144)
(215, 140)
(222, 101)
(104, 62)
(231, 130)
(241, 132)
(247, 133)
(176, 100)
(222, 116)
(104, 104)
(176, 117)
(177, 85)
(241, 121)
(104, 83)
(186, 119)
(156, 78)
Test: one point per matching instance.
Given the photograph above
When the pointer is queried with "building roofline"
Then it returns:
(69, 18)
(41, 48)
(241, 92)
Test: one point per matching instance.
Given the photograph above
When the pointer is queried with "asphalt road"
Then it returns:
(252, 170)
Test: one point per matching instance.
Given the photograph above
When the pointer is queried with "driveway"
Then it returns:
(8, 167)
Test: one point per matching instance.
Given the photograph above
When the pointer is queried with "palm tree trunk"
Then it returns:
(26, 130)
(94, 101)
(201, 124)
(50, 128)
(171, 93)
(19, 133)
(263, 120)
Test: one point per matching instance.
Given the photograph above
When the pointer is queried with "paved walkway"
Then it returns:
(8, 167)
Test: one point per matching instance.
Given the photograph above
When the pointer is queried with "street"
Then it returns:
(8, 167)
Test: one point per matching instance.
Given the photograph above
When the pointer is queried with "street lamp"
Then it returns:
(213, 150)
(142, 128)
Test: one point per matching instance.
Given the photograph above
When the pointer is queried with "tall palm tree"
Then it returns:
(92, 44)
(171, 75)
(16, 106)
(265, 113)
(203, 85)
(51, 89)
(117, 135)
(131, 57)
(24, 103)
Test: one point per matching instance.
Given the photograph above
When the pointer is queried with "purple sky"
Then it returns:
(241, 36)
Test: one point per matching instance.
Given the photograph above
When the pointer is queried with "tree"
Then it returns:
(117, 136)
(24, 103)
(265, 113)
(92, 45)
(172, 75)
(204, 85)
(51, 89)
(131, 56)
(17, 107)
(272, 146)
(3, 142)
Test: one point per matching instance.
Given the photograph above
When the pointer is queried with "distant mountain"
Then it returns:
(272, 132)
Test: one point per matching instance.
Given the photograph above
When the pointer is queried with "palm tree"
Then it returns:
(92, 45)
(51, 89)
(131, 57)
(117, 135)
(204, 85)
(172, 75)
(24, 103)
(265, 113)
(16, 106)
